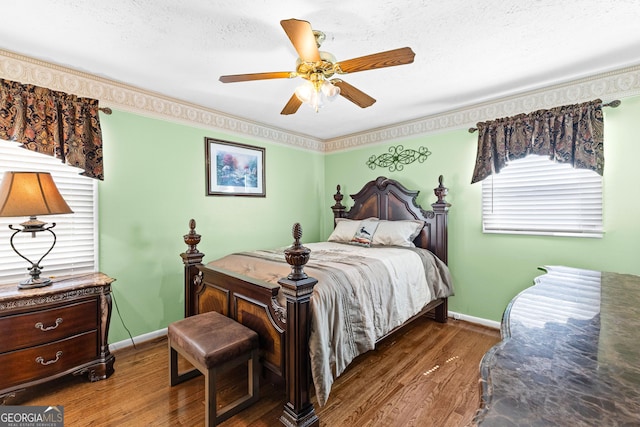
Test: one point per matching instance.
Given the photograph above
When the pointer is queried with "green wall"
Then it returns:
(490, 269)
(155, 182)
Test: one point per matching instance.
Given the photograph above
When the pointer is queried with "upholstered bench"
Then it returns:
(213, 343)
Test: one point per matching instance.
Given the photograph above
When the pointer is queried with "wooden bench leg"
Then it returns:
(174, 376)
(254, 376)
(210, 416)
(253, 386)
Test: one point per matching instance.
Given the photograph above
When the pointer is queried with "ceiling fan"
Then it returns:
(317, 68)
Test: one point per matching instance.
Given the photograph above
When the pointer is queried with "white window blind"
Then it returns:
(534, 195)
(76, 246)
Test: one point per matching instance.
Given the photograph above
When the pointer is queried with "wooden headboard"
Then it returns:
(387, 199)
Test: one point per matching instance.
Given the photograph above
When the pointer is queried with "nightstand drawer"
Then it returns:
(49, 359)
(44, 326)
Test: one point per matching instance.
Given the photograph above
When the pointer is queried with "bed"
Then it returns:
(282, 294)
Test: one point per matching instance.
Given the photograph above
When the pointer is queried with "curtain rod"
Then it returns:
(106, 110)
(613, 104)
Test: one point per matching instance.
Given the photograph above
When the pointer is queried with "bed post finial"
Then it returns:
(441, 192)
(338, 209)
(192, 238)
(297, 255)
(338, 196)
(296, 231)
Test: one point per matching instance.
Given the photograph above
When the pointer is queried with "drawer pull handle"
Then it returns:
(40, 326)
(41, 361)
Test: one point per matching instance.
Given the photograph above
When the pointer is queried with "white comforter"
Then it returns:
(361, 295)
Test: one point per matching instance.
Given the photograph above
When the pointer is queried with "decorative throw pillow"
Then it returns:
(397, 233)
(365, 233)
(345, 229)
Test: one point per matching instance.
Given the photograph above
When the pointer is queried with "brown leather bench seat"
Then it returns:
(213, 343)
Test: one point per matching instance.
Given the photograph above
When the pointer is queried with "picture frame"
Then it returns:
(234, 169)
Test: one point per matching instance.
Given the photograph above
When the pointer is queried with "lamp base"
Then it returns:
(32, 283)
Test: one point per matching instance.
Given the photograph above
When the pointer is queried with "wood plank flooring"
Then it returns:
(425, 375)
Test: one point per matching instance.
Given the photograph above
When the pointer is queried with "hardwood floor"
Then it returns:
(425, 375)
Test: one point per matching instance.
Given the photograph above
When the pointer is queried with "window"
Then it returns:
(76, 246)
(534, 195)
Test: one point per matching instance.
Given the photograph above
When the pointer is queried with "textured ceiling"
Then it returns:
(467, 52)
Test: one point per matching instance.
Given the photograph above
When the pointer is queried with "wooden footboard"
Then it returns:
(250, 302)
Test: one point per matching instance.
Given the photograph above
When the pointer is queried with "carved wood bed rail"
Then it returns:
(284, 331)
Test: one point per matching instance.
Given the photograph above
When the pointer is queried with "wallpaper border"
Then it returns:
(616, 84)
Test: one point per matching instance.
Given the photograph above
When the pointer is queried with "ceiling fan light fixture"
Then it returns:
(305, 91)
(316, 94)
(329, 90)
(309, 94)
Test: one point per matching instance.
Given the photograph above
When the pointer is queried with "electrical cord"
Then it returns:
(113, 296)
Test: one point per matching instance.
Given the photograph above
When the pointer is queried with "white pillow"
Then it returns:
(344, 231)
(397, 233)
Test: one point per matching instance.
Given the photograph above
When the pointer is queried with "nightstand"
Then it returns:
(50, 332)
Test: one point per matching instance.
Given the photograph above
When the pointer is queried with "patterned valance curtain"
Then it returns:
(54, 123)
(568, 134)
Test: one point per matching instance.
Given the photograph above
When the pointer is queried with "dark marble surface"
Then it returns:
(570, 354)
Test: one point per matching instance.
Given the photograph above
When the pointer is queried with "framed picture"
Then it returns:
(234, 169)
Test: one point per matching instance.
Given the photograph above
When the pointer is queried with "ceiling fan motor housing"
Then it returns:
(319, 70)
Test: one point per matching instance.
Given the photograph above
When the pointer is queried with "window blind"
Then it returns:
(76, 246)
(534, 195)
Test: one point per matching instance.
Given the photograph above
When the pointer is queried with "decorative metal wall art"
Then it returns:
(397, 157)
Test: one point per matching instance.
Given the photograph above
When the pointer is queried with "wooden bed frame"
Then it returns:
(284, 331)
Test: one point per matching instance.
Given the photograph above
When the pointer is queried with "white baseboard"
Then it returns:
(138, 340)
(162, 332)
(478, 320)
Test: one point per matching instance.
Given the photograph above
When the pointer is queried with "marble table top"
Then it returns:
(61, 287)
(570, 354)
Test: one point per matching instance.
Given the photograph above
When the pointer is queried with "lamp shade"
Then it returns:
(30, 194)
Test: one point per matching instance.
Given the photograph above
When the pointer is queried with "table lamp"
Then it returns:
(31, 194)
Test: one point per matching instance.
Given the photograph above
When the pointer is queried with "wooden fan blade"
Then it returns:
(302, 38)
(354, 95)
(389, 58)
(292, 106)
(257, 76)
